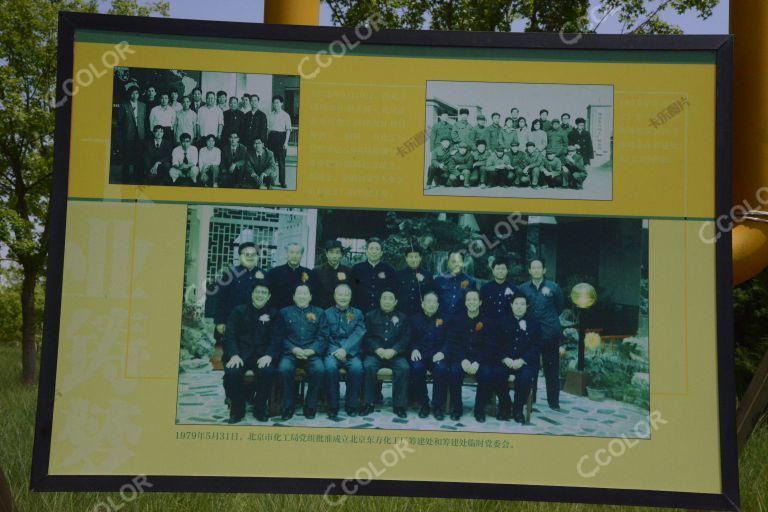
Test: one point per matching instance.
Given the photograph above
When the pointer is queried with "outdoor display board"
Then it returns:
(530, 229)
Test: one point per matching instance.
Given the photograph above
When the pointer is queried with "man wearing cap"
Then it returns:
(283, 279)
(573, 166)
(387, 340)
(131, 122)
(371, 277)
(479, 158)
(412, 281)
(463, 131)
(184, 169)
(235, 286)
(551, 173)
(437, 174)
(452, 286)
(440, 130)
(557, 139)
(252, 341)
(460, 167)
(346, 330)
(518, 161)
(157, 158)
(581, 138)
(304, 345)
(260, 169)
(330, 274)
(534, 165)
(480, 131)
(496, 167)
(494, 131)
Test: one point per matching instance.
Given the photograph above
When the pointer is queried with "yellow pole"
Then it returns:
(749, 19)
(292, 12)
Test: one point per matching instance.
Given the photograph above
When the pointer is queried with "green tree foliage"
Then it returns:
(635, 16)
(28, 47)
(750, 311)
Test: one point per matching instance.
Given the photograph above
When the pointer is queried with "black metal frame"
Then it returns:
(722, 46)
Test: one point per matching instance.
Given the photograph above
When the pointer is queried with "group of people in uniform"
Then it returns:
(551, 153)
(371, 316)
(211, 141)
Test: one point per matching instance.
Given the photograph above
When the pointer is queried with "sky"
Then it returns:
(253, 11)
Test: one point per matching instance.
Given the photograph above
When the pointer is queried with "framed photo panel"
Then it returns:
(372, 262)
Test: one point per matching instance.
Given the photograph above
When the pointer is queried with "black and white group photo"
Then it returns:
(414, 320)
(489, 139)
(187, 128)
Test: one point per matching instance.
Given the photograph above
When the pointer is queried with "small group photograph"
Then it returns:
(526, 140)
(186, 128)
(424, 321)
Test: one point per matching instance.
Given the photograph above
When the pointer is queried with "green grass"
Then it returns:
(17, 413)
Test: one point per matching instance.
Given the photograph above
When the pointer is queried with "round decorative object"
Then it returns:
(583, 295)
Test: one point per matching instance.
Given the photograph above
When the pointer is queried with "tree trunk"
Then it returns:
(28, 334)
(6, 500)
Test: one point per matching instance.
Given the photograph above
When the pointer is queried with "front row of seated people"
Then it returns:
(274, 343)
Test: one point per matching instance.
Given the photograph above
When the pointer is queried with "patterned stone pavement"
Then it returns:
(201, 402)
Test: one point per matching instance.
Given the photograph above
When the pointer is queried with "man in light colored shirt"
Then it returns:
(184, 169)
(221, 100)
(245, 103)
(209, 160)
(210, 119)
(186, 120)
(279, 131)
(165, 116)
(174, 103)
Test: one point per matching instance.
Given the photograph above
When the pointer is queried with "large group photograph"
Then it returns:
(186, 128)
(415, 320)
(488, 139)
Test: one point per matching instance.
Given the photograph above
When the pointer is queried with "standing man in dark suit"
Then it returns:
(330, 274)
(255, 122)
(131, 122)
(197, 99)
(346, 330)
(545, 303)
(371, 277)
(235, 286)
(520, 340)
(498, 293)
(580, 137)
(252, 342)
(388, 336)
(412, 281)
(157, 158)
(452, 286)
(304, 345)
(234, 120)
(284, 279)
(233, 161)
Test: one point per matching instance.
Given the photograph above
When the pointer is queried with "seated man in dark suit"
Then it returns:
(157, 158)
(260, 167)
(386, 346)
(252, 342)
(233, 161)
(346, 327)
(304, 345)
(520, 343)
(428, 353)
